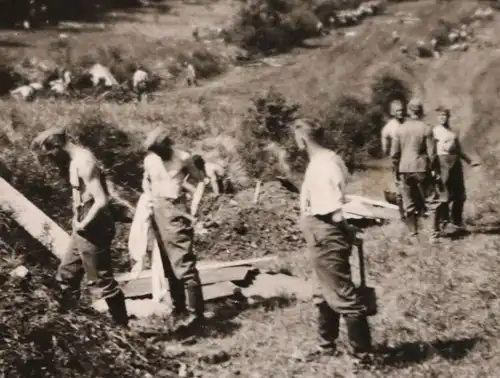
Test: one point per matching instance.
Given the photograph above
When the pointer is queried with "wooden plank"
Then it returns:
(358, 209)
(142, 288)
(370, 201)
(33, 220)
(202, 266)
(274, 285)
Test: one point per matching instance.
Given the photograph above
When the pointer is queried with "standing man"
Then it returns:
(452, 183)
(165, 170)
(330, 239)
(414, 158)
(93, 226)
(397, 112)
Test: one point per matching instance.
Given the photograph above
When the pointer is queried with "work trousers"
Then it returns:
(451, 189)
(174, 233)
(89, 253)
(335, 296)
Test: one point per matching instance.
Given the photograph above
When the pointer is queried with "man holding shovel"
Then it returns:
(165, 172)
(93, 226)
(330, 239)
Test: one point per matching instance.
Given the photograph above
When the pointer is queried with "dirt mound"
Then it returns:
(238, 229)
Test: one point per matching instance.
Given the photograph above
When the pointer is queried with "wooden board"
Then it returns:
(275, 285)
(142, 288)
(203, 266)
(33, 220)
(369, 201)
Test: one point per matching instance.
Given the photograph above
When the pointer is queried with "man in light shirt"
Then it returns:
(413, 153)
(165, 171)
(215, 174)
(452, 183)
(330, 240)
(398, 114)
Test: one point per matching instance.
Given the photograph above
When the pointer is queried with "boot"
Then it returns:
(196, 303)
(412, 223)
(118, 309)
(360, 339)
(328, 323)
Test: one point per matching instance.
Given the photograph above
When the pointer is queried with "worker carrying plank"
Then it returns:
(93, 226)
(330, 239)
(165, 170)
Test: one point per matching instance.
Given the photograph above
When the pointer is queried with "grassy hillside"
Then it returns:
(438, 303)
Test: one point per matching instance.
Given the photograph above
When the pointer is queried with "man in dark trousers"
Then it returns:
(414, 157)
(165, 172)
(330, 239)
(93, 226)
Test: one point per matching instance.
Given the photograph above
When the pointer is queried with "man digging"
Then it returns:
(165, 171)
(330, 239)
(93, 227)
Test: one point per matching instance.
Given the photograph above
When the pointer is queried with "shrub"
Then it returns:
(267, 122)
(271, 26)
(113, 147)
(386, 88)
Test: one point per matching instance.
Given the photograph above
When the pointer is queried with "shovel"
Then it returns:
(367, 293)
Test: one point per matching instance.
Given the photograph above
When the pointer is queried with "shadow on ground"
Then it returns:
(418, 352)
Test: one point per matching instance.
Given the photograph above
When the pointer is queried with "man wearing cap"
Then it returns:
(93, 226)
(165, 172)
(397, 112)
(413, 153)
(452, 183)
(330, 239)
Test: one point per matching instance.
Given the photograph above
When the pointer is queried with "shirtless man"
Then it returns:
(330, 239)
(93, 226)
(452, 184)
(165, 171)
(215, 174)
(387, 135)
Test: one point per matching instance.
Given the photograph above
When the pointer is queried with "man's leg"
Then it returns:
(69, 276)
(177, 236)
(457, 195)
(95, 243)
(410, 208)
(176, 286)
(331, 254)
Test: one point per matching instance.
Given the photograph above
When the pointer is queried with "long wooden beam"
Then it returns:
(33, 220)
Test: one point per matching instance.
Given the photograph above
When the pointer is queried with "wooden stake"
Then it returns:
(257, 192)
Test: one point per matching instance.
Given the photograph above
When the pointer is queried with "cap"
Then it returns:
(157, 137)
(51, 138)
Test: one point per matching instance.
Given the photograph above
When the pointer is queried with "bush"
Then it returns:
(266, 123)
(120, 156)
(273, 26)
(387, 88)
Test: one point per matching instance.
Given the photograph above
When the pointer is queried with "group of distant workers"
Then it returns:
(427, 167)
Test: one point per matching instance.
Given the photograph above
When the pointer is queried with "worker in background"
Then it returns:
(93, 226)
(414, 159)
(191, 78)
(215, 174)
(452, 184)
(330, 239)
(398, 113)
(164, 183)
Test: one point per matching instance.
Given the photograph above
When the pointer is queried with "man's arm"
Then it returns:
(190, 169)
(91, 177)
(430, 145)
(75, 188)
(461, 153)
(396, 151)
(386, 141)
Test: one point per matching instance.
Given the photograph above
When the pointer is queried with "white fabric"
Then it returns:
(446, 140)
(140, 234)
